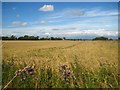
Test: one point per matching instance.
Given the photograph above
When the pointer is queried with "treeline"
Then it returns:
(26, 37)
(102, 38)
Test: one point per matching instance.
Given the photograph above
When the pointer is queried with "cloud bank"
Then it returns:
(60, 31)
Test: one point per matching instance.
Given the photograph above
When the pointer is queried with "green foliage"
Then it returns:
(101, 38)
(47, 78)
(10, 38)
(26, 37)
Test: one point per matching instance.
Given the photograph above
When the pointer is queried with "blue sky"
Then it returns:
(60, 19)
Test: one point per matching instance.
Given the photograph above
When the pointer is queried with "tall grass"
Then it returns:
(60, 68)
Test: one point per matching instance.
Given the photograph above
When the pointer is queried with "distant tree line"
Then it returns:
(27, 37)
(52, 38)
(102, 38)
(9, 38)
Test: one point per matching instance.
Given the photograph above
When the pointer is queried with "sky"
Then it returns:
(74, 20)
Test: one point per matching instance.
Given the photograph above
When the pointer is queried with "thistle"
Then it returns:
(66, 73)
(29, 70)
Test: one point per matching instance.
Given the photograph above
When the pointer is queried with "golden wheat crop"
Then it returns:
(51, 54)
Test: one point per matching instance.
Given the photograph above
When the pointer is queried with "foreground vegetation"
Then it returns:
(60, 64)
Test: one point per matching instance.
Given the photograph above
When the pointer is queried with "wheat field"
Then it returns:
(60, 64)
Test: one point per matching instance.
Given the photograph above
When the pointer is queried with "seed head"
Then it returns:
(18, 73)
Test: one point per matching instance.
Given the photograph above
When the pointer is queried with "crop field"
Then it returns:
(60, 64)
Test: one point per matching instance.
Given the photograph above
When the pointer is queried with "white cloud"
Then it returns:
(43, 22)
(18, 23)
(99, 32)
(47, 8)
(47, 34)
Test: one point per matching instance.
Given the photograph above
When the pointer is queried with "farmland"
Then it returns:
(60, 64)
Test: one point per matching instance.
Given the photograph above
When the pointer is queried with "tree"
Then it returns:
(100, 38)
(5, 38)
(9, 38)
(26, 37)
(20, 38)
(37, 38)
(64, 38)
(52, 38)
(110, 39)
(13, 37)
